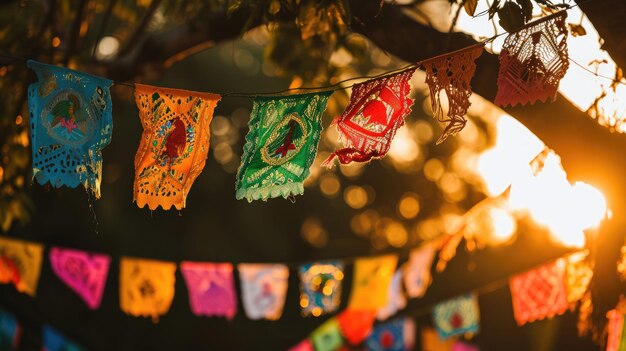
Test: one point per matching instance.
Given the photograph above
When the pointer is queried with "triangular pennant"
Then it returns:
(417, 275)
(320, 287)
(211, 288)
(452, 73)
(370, 284)
(280, 146)
(532, 62)
(327, 337)
(83, 272)
(20, 264)
(10, 332)
(174, 144)
(70, 114)
(356, 325)
(457, 316)
(395, 297)
(53, 340)
(376, 110)
(263, 289)
(146, 287)
(539, 293)
(395, 335)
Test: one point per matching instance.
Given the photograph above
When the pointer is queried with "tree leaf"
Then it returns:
(470, 6)
(527, 9)
(511, 16)
(577, 30)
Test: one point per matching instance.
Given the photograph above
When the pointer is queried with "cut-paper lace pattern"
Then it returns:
(453, 74)
(70, 121)
(376, 110)
(174, 144)
(83, 272)
(280, 146)
(539, 293)
(457, 316)
(146, 287)
(532, 62)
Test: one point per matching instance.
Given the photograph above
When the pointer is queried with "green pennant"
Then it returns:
(327, 337)
(280, 146)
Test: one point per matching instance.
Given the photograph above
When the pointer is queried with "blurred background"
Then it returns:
(513, 190)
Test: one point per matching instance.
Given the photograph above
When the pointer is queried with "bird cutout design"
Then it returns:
(174, 144)
(285, 140)
(70, 114)
(288, 144)
(175, 141)
(280, 146)
(64, 112)
(376, 110)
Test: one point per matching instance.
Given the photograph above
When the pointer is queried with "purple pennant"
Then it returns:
(83, 272)
(211, 288)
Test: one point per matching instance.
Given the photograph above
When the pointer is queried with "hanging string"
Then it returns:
(597, 74)
(479, 291)
(324, 88)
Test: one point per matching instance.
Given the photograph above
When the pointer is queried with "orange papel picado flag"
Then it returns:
(174, 144)
(146, 287)
(20, 264)
(372, 277)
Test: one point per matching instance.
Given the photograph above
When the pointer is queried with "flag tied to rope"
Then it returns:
(70, 120)
(532, 62)
(539, 293)
(457, 316)
(83, 272)
(146, 287)
(376, 110)
(280, 146)
(320, 287)
(174, 144)
(395, 335)
(370, 284)
(263, 289)
(20, 264)
(211, 288)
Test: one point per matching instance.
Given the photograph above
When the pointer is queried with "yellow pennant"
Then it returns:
(372, 277)
(146, 287)
(20, 264)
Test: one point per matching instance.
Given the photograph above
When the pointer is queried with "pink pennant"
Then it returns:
(83, 272)
(211, 288)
